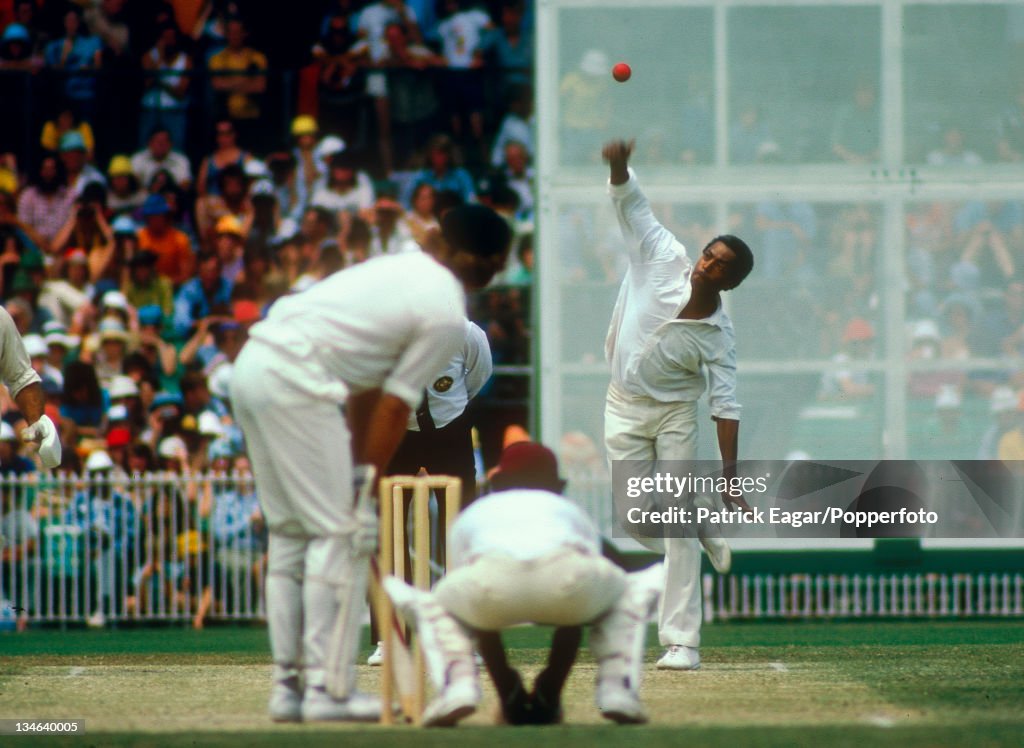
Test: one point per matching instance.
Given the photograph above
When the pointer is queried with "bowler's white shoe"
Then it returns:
(620, 705)
(457, 701)
(320, 706)
(719, 553)
(377, 657)
(286, 701)
(678, 657)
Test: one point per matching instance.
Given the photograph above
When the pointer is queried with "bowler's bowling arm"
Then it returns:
(728, 445)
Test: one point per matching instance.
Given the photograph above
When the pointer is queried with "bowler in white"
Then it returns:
(669, 341)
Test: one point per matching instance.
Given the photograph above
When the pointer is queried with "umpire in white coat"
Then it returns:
(369, 338)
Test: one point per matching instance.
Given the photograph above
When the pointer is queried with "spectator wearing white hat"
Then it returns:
(943, 435)
(59, 346)
(172, 454)
(123, 392)
(108, 518)
(925, 346)
(1003, 410)
(114, 347)
(39, 357)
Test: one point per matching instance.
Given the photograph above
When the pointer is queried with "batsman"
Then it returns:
(369, 339)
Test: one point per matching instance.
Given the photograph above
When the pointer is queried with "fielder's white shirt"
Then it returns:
(522, 524)
(652, 353)
(15, 367)
(390, 323)
(449, 392)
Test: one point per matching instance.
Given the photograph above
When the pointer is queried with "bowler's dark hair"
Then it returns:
(744, 257)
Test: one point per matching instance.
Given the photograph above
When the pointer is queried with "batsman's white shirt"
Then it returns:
(527, 556)
(653, 353)
(391, 323)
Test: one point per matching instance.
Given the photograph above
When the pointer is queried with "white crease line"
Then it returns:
(778, 667)
(75, 671)
(879, 720)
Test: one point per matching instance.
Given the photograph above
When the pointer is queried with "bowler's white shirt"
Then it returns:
(522, 524)
(652, 353)
(450, 391)
(390, 323)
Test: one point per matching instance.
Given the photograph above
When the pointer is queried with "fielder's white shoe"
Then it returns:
(620, 705)
(457, 701)
(678, 657)
(286, 701)
(320, 706)
(719, 553)
(377, 657)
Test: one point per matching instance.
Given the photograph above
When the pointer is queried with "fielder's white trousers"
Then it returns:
(301, 457)
(567, 587)
(640, 428)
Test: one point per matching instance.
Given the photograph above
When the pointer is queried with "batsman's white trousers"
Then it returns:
(641, 428)
(301, 456)
(566, 587)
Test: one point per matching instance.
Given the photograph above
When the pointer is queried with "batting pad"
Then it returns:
(617, 639)
(447, 649)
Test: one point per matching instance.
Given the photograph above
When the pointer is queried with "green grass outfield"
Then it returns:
(912, 683)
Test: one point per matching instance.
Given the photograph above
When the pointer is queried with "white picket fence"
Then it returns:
(167, 547)
(789, 596)
(154, 547)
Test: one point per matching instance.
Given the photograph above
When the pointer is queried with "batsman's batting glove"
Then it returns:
(365, 537)
(44, 433)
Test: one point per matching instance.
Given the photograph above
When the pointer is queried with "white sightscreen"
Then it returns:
(872, 155)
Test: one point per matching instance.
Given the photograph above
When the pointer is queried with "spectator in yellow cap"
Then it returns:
(229, 243)
(124, 195)
(307, 166)
(66, 121)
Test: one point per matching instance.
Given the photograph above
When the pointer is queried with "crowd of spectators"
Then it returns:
(160, 208)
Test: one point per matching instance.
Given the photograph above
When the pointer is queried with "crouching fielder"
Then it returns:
(369, 338)
(521, 555)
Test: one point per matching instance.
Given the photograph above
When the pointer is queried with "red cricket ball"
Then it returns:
(621, 72)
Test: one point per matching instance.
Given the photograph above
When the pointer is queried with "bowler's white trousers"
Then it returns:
(300, 449)
(641, 428)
